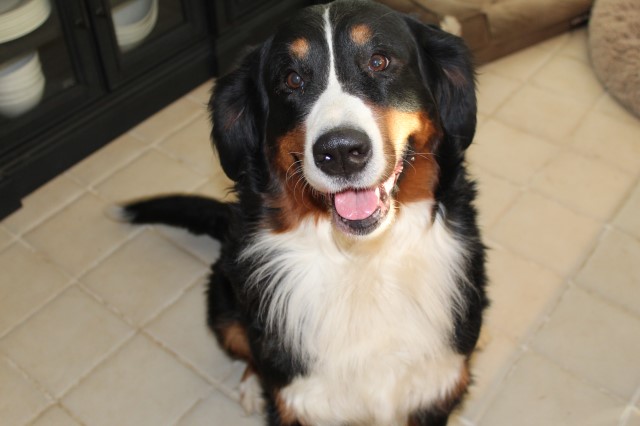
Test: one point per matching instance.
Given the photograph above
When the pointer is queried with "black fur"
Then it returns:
(184, 211)
(251, 106)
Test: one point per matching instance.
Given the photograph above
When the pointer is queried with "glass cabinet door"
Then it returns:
(136, 35)
(46, 61)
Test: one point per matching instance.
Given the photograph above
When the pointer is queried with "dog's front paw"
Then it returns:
(251, 397)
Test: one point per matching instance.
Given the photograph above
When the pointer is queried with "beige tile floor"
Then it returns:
(103, 324)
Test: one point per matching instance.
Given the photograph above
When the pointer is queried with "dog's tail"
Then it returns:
(197, 215)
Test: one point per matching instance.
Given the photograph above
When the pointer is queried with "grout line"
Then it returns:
(62, 407)
(124, 317)
(162, 309)
(99, 363)
(635, 399)
(51, 400)
(590, 103)
(560, 273)
(42, 305)
(518, 86)
(12, 235)
(104, 303)
(213, 382)
(569, 285)
(573, 284)
(583, 380)
(635, 186)
(133, 234)
(199, 102)
(505, 373)
(188, 121)
(590, 246)
(91, 186)
(626, 415)
(185, 162)
(192, 407)
(560, 150)
(50, 213)
(547, 315)
(203, 105)
(184, 123)
(607, 301)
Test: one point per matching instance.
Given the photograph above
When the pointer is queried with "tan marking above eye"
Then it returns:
(299, 47)
(361, 34)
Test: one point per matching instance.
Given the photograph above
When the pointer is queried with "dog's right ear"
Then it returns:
(238, 108)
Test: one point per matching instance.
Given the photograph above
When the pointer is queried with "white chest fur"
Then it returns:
(373, 319)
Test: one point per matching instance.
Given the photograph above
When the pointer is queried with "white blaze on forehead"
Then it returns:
(335, 108)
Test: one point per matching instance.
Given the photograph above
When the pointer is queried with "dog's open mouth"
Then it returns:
(360, 211)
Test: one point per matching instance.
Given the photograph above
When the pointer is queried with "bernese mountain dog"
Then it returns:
(351, 278)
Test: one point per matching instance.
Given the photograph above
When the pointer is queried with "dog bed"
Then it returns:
(614, 45)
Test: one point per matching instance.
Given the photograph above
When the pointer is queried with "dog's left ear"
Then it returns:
(238, 110)
(447, 71)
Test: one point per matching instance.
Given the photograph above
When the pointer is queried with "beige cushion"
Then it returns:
(493, 28)
(469, 14)
(511, 17)
(458, 8)
(614, 47)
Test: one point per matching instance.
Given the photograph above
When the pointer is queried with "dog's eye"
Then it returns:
(378, 63)
(294, 81)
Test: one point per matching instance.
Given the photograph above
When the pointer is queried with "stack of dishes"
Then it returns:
(21, 84)
(20, 17)
(133, 21)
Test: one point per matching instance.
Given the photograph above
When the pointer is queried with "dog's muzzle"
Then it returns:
(343, 154)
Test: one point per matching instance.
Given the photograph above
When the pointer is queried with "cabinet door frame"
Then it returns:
(120, 68)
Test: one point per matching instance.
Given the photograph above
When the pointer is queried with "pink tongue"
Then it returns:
(356, 205)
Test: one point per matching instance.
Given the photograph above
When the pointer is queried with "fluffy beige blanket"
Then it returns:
(614, 43)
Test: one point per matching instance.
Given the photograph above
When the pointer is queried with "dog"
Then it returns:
(351, 278)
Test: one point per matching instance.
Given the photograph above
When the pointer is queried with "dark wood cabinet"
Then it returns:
(94, 90)
(178, 24)
(98, 83)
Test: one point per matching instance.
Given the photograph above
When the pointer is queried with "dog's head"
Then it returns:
(349, 111)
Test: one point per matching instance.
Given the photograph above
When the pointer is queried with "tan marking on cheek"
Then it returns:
(401, 125)
(299, 48)
(289, 147)
(361, 34)
(420, 175)
(297, 200)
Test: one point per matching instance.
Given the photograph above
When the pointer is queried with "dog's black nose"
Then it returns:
(342, 151)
